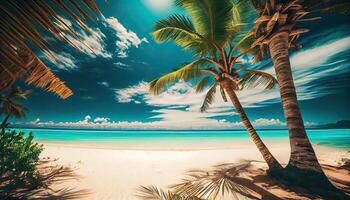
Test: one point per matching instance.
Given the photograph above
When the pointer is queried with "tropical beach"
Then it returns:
(175, 99)
(130, 159)
(119, 173)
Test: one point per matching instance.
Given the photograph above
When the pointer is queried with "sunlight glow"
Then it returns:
(158, 5)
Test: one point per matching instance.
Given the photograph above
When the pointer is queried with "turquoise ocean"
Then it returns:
(338, 138)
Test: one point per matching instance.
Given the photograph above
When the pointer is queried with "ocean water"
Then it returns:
(339, 138)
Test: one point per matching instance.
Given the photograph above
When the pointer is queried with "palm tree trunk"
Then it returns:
(271, 161)
(302, 153)
(4, 122)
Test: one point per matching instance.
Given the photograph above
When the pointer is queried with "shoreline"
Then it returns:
(171, 145)
(175, 130)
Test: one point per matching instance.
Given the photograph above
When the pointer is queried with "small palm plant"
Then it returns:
(212, 33)
(9, 107)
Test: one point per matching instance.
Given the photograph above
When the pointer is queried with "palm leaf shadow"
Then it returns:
(43, 188)
(224, 181)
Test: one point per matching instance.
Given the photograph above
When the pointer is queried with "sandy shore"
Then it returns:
(108, 173)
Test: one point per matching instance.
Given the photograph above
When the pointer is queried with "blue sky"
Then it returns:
(110, 79)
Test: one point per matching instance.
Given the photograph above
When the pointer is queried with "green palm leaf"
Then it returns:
(201, 84)
(179, 29)
(255, 78)
(185, 73)
(208, 99)
(211, 18)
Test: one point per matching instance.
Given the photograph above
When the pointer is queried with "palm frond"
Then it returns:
(19, 93)
(9, 107)
(255, 78)
(177, 28)
(245, 46)
(201, 84)
(39, 75)
(211, 18)
(215, 184)
(223, 94)
(29, 23)
(18, 111)
(208, 99)
(180, 30)
(185, 73)
(154, 193)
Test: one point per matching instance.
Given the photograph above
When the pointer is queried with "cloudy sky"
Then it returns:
(110, 78)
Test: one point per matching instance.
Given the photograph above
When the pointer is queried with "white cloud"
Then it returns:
(121, 65)
(65, 61)
(87, 118)
(104, 83)
(101, 120)
(90, 43)
(36, 121)
(183, 124)
(87, 98)
(127, 95)
(126, 38)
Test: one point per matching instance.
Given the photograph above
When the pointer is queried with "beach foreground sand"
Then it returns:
(108, 173)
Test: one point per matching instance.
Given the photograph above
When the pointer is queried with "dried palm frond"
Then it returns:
(25, 23)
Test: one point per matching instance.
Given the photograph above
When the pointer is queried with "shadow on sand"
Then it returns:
(243, 181)
(45, 186)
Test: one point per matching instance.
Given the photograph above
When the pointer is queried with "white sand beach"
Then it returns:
(110, 173)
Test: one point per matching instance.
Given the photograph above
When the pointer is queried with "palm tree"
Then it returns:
(275, 31)
(26, 23)
(209, 34)
(10, 107)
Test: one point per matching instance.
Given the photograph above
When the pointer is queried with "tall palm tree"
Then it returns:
(9, 107)
(38, 23)
(276, 31)
(209, 33)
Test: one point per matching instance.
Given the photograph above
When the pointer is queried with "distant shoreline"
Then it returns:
(101, 129)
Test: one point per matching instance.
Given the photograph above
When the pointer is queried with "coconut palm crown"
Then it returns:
(277, 16)
(210, 34)
(38, 23)
(213, 33)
